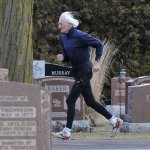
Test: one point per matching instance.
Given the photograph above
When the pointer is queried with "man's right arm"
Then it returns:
(65, 57)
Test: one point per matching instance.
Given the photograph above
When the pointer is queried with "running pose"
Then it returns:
(75, 45)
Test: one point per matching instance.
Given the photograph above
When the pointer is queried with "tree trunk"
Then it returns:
(16, 52)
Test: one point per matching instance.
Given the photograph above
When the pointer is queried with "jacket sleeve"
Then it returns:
(66, 59)
(89, 40)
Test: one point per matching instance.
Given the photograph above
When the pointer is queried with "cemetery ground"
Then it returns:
(99, 138)
(103, 133)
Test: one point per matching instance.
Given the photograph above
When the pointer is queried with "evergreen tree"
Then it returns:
(125, 23)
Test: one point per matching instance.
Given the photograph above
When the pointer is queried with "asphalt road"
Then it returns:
(136, 144)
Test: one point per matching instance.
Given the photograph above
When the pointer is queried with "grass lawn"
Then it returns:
(104, 133)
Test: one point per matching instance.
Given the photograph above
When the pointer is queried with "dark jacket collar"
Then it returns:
(70, 31)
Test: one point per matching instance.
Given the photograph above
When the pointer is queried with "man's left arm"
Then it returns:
(97, 44)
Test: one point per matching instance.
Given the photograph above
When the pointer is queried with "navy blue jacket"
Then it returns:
(76, 46)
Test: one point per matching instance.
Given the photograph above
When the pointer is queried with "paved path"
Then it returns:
(139, 144)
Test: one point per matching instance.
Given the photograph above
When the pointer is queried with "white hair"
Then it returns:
(69, 18)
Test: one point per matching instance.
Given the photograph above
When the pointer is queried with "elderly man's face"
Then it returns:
(64, 26)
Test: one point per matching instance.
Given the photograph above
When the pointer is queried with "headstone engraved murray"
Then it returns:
(24, 117)
(59, 87)
(58, 70)
(42, 69)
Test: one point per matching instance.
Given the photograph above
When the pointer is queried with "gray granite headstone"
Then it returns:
(59, 88)
(25, 117)
(139, 103)
(118, 91)
(132, 82)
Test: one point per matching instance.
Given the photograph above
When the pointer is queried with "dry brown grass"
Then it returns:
(106, 61)
(103, 133)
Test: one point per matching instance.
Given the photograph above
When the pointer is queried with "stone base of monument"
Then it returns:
(116, 110)
(78, 126)
(128, 127)
(135, 127)
(86, 126)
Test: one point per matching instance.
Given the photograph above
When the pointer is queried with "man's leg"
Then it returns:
(71, 100)
(75, 92)
(91, 102)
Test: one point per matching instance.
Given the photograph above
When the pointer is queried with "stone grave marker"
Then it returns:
(139, 103)
(58, 70)
(132, 82)
(118, 91)
(25, 117)
(59, 87)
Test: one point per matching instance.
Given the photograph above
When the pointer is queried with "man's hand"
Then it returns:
(96, 66)
(60, 57)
